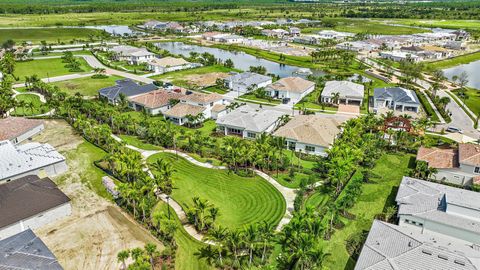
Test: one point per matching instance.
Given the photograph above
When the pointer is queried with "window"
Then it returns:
(251, 135)
(477, 170)
(309, 148)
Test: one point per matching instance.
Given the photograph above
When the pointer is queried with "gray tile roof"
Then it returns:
(345, 89)
(250, 119)
(396, 94)
(27, 252)
(393, 247)
(430, 200)
(248, 78)
(127, 87)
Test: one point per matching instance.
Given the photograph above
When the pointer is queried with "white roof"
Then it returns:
(250, 119)
(345, 89)
(15, 160)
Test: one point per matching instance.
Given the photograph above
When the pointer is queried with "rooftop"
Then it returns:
(469, 154)
(202, 98)
(127, 87)
(344, 88)
(156, 99)
(248, 78)
(440, 158)
(292, 84)
(12, 127)
(397, 94)
(183, 109)
(168, 62)
(250, 119)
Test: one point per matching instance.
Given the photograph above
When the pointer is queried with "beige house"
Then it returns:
(291, 88)
(194, 103)
(169, 64)
(311, 134)
(155, 102)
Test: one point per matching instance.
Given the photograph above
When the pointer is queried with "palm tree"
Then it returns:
(336, 97)
(151, 250)
(217, 235)
(122, 256)
(250, 237)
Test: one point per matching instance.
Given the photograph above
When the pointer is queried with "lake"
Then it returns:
(472, 69)
(241, 60)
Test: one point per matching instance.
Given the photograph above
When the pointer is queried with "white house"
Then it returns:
(246, 81)
(30, 203)
(311, 134)
(248, 122)
(291, 88)
(331, 34)
(399, 56)
(396, 98)
(193, 104)
(29, 159)
(357, 46)
(348, 92)
(19, 129)
(169, 64)
(132, 55)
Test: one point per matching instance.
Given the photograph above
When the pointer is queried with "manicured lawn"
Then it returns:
(38, 106)
(454, 24)
(215, 89)
(252, 97)
(376, 195)
(86, 86)
(135, 141)
(50, 35)
(459, 60)
(285, 180)
(241, 200)
(187, 246)
(473, 100)
(206, 129)
(317, 199)
(46, 68)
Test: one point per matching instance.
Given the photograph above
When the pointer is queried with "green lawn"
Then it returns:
(206, 129)
(38, 106)
(459, 60)
(473, 100)
(187, 246)
(241, 200)
(453, 24)
(86, 86)
(50, 35)
(368, 26)
(46, 68)
(285, 180)
(317, 199)
(253, 98)
(135, 141)
(376, 195)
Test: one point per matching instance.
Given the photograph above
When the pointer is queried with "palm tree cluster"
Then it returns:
(147, 258)
(162, 176)
(71, 62)
(249, 247)
(202, 214)
(334, 56)
(7, 101)
(53, 95)
(205, 58)
(423, 171)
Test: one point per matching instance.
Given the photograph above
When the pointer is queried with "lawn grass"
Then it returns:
(252, 97)
(317, 199)
(452, 24)
(473, 100)
(284, 179)
(46, 68)
(86, 86)
(376, 195)
(241, 200)
(455, 61)
(368, 26)
(38, 106)
(50, 35)
(187, 246)
(208, 127)
(135, 141)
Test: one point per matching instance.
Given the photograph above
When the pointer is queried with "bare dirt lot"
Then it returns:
(205, 80)
(97, 229)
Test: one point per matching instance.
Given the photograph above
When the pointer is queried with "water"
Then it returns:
(472, 69)
(119, 30)
(241, 60)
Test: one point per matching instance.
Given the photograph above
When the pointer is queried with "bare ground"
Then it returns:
(205, 80)
(97, 229)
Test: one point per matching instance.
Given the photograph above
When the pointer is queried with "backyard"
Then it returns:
(86, 86)
(31, 105)
(241, 200)
(46, 68)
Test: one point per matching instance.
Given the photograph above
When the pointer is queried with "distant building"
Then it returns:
(246, 81)
(26, 251)
(357, 46)
(169, 64)
(248, 122)
(19, 129)
(459, 166)
(396, 98)
(125, 87)
(132, 55)
(17, 161)
(291, 88)
(29, 203)
(399, 56)
(331, 34)
(349, 92)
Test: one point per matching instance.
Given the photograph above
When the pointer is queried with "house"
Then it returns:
(246, 82)
(290, 88)
(294, 31)
(126, 88)
(156, 102)
(436, 52)
(348, 92)
(396, 98)
(331, 34)
(357, 46)
(311, 134)
(29, 203)
(461, 35)
(399, 56)
(248, 122)
(306, 39)
(277, 33)
(132, 55)
(219, 110)
(169, 64)
(432, 208)
(393, 247)
(19, 129)
(193, 104)
(209, 35)
(460, 166)
(17, 161)
(229, 39)
(24, 250)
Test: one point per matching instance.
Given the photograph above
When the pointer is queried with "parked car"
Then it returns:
(454, 130)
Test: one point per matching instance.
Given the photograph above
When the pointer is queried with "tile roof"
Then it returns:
(250, 119)
(393, 247)
(26, 251)
(397, 94)
(12, 127)
(168, 62)
(438, 158)
(310, 129)
(156, 99)
(469, 154)
(219, 108)
(344, 88)
(248, 78)
(15, 160)
(183, 109)
(202, 98)
(28, 196)
(292, 84)
(127, 87)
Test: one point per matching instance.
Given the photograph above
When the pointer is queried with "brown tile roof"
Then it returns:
(292, 84)
(183, 109)
(218, 108)
(12, 127)
(156, 99)
(202, 98)
(310, 129)
(28, 196)
(469, 154)
(438, 158)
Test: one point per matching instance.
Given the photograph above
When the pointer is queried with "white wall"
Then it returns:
(28, 134)
(50, 171)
